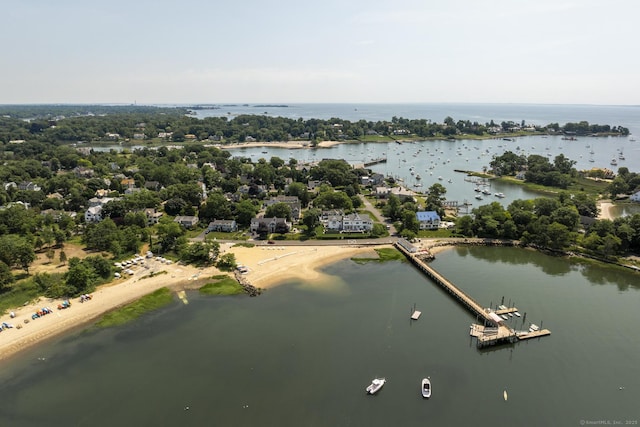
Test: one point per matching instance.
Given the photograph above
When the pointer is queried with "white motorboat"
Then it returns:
(517, 313)
(426, 388)
(375, 385)
(533, 327)
(504, 317)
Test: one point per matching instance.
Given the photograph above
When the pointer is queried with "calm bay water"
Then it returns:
(302, 354)
(439, 159)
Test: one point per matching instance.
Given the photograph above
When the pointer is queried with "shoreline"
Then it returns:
(268, 267)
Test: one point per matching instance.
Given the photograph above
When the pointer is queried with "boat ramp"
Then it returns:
(493, 329)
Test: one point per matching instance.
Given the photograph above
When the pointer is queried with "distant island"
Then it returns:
(271, 106)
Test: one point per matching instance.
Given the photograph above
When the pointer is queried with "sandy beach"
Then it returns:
(605, 210)
(284, 144)
(268, 266)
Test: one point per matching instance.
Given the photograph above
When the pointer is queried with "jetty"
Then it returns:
(375, 161)
(493, 329)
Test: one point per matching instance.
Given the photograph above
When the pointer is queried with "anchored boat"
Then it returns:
(426, 388)
(375, 385)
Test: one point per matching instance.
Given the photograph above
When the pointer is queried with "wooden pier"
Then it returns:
(375, 161)
(493, 331)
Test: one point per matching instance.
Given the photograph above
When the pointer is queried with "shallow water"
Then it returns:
(302, 355)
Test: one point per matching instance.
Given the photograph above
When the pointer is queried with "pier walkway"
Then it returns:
(494, 330)
(448, 286)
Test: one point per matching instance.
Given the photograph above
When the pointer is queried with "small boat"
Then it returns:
(504, 317)
(614, 162)
(533, 327)
(375, 385)
(486, 192)
(502, 307)
(516, 313)
(426, 388)
(504, 395)
(479, 197)
(500, 195)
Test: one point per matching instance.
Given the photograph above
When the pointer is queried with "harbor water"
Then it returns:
(302, 353)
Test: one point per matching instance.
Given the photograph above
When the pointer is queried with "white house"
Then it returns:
(186, 221)
(93, 214)
(635, 197)
(429, 220)
(226, 225)
(356, 223)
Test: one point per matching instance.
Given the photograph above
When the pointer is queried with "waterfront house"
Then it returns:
(429, 220)
(224, 225)
(355, 223)
(635, 197)
(269, 225)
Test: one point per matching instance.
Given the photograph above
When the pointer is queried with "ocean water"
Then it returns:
(539, 114)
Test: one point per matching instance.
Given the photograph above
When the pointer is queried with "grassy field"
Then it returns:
(384, 254)
(129, 312)
(223, 285)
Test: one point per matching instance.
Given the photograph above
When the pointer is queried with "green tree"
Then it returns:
(410, 221)
(168, 233)
(216, 207)
(393, 208)
(6, 278)
(278, 210)
(333, 200)
(227, 262)
(435, 199)
(245, 210)
(311, 219)
(80, 277)
(464, 226)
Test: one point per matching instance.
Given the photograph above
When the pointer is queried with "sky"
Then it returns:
(329, 51)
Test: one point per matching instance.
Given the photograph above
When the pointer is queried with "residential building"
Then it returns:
(635, 197)
(355, 223)
(28, 186)
(292, 201)
(429, 220)
(225, 225)
(93, 214)
(153, 217)
(187, 221)
(271, 225)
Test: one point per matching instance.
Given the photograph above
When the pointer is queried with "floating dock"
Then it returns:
(416, 315)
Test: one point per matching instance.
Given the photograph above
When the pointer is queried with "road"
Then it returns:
(377, 214)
